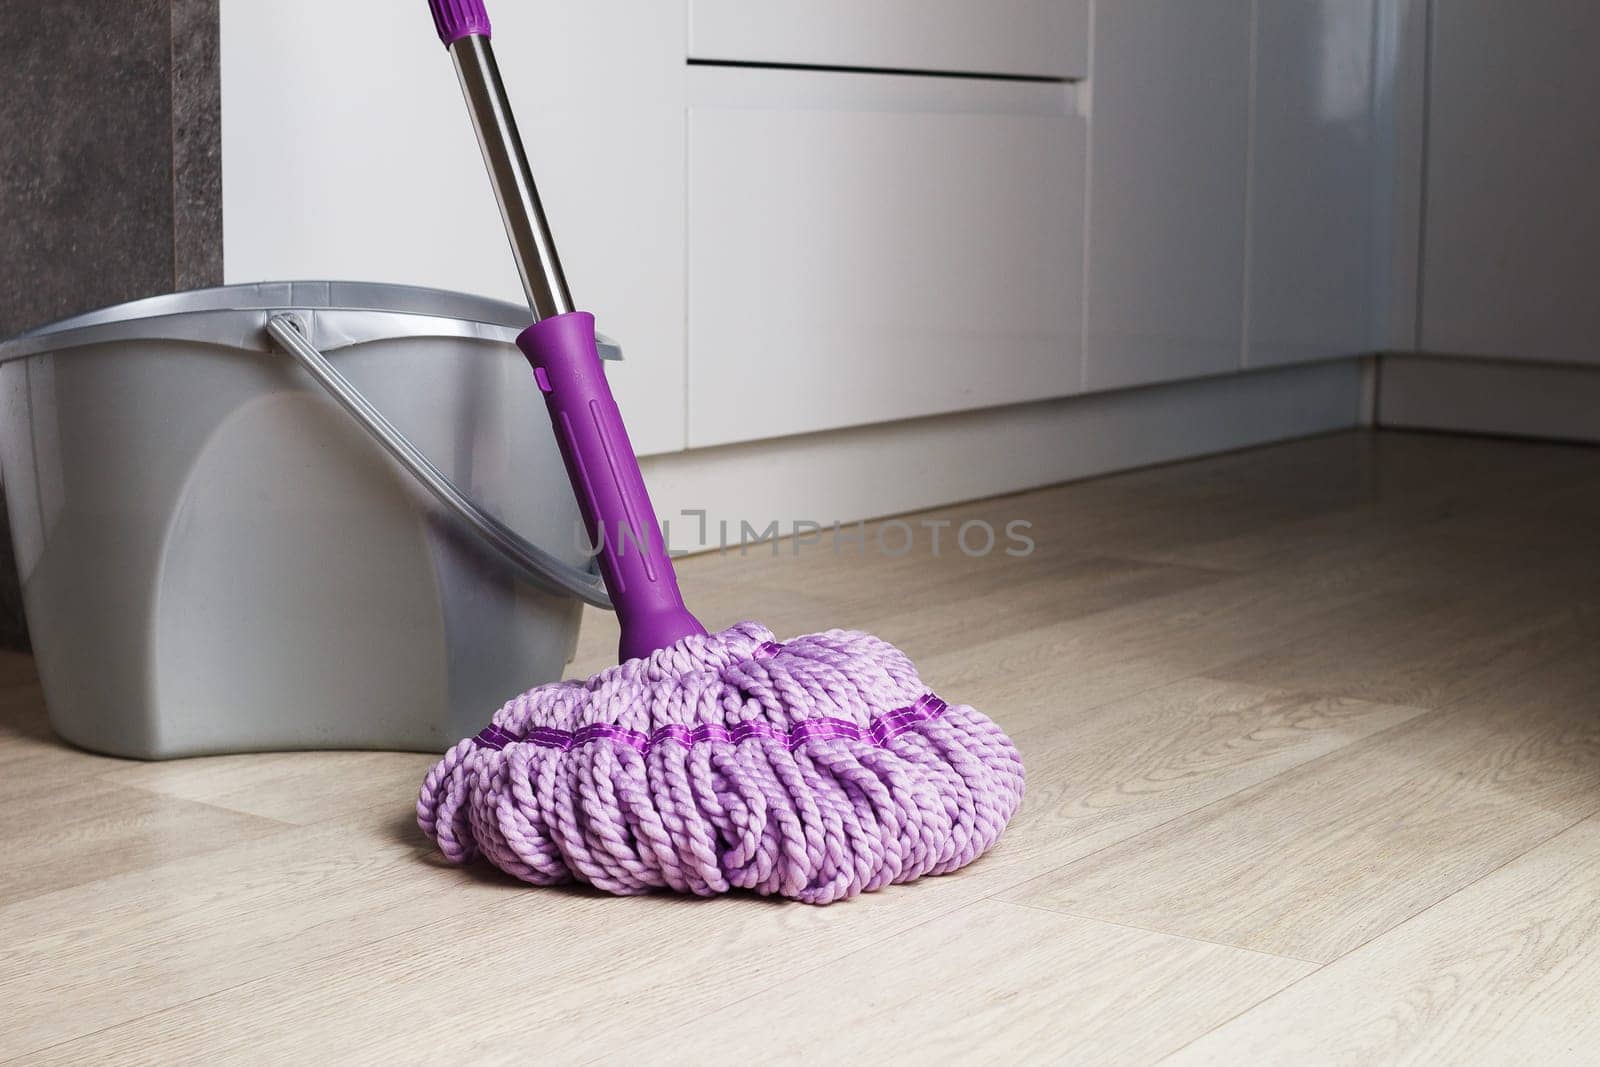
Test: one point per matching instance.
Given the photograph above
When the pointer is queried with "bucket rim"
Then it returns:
(234, 315)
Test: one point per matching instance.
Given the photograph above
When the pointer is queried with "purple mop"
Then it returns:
(815, 768)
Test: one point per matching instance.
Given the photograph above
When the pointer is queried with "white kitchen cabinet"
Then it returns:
(789, 251)
(1315, 181)
(348, 153)
(1047, 38)
(1512, 219)
(1400, 92)
(1169, 139)
(864, 248)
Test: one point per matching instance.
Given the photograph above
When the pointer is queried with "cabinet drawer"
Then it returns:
(1047, 38)
(866, 248)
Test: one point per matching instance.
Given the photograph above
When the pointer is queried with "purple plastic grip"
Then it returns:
(455, 19)
(605, 476)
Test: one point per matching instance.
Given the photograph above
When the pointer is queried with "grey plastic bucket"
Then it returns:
(231, 537)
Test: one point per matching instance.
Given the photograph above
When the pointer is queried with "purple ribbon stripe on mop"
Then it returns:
(880, 731)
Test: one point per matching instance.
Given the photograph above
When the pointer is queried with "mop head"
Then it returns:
(815, 769)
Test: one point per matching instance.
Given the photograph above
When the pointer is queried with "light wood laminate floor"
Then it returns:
(1313, 741)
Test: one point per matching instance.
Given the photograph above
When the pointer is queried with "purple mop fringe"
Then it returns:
(815, 769)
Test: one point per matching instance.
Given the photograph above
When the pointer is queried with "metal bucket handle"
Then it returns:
(532, 561)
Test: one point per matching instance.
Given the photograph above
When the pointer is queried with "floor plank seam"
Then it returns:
(1291, 639)
(504, 904)
(28, 1056)
(1442, 711)
(1436, 711)
(255, 980)
(1395, 929)
(1390, 931)
(1242, 1012)
(224, 990)
(1115, 842)
(1160, 933)
(865, 946)
(181, 799)
(1491, 872)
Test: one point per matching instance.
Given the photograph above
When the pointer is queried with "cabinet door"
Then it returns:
(1315, 178)
(1046, 38)
(347, 153)
(1513, 212)
(1169, 137)
(865, 248)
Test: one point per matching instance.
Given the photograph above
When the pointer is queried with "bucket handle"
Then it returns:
(532, 561)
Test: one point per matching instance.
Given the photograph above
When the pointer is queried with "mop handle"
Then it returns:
(600, 461)
(605, 476)
(463, 26)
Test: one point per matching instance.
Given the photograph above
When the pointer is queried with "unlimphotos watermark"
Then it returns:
(888, 538)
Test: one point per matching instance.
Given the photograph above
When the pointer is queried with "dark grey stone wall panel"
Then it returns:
(196, 144)
(110, 166)
(86, 159)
